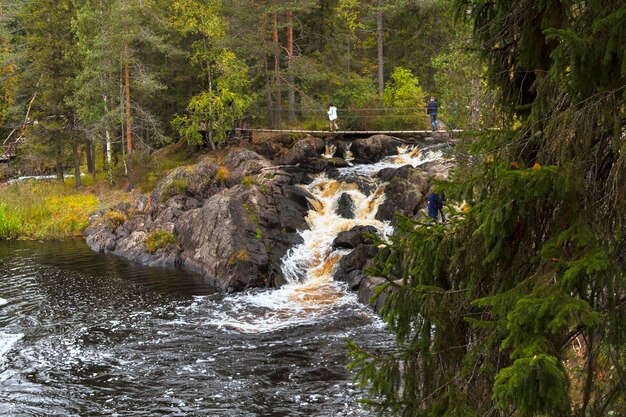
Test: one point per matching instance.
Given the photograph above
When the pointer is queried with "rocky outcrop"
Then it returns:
(366, 291)
(232, 221)
(303, 150)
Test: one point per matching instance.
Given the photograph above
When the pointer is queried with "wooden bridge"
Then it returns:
(419, 134)
(8, 152)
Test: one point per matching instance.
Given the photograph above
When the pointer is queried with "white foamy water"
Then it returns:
(311, 293)
(3, 301)
(7, 341)
(407, 155)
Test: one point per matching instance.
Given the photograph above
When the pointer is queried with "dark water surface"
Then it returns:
(87, 334)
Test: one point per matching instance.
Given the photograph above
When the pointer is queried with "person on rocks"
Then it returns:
(432, 108)
(435, 206)
(332, 116)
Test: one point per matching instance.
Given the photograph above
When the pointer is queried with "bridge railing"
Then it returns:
(370, 119)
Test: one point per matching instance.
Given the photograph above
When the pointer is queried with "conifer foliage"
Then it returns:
(517, 307)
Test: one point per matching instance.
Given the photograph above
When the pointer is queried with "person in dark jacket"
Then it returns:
(435, 206)
(432, 108)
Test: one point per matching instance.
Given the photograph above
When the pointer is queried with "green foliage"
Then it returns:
(489, 304)
(533, 386)
(174, 187)
(403, 90)
(247, 181)
(10, 225)
(113, 219)
(43, 211)
(159, 239)
(226, 97)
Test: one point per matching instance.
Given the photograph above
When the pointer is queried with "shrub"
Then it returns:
(159, 239)
(112, 219)
(222, 173)
(175, 187)
(247, 181)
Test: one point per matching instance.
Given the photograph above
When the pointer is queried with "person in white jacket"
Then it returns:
(332, 116)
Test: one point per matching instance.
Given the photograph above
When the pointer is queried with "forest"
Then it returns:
(517, 306)
(90, 81)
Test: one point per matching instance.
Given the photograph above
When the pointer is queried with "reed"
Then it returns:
(43, 210)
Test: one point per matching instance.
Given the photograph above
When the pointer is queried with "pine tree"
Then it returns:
(517, 307)
(116, 84)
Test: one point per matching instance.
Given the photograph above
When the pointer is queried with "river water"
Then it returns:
(89, 334)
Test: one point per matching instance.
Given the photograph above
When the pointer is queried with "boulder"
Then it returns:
(309, 147)
(242, 163)
(437, 169)
(321, 164)
(345, 206)
(404, 193)
(352, 238)
(374, 148)
(134, 248)
(358, 259)
(218, 241)
(366, 290)
(199, 180)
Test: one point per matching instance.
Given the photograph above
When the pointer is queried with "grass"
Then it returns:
(175, 187)
(43, 210)
(159, 239)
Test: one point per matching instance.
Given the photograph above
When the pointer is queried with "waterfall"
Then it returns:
(310, 292)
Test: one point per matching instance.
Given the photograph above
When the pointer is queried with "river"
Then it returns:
(89, 334)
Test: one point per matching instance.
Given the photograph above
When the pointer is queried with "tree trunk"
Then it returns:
(379, 48)
(129, 137)
(291, 92)
(277, 87)
(91, 163)
(268, 95)
(77, 182)
(107, 134)
(59, 169)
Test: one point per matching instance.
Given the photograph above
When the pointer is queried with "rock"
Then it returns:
(352, 238)
(374, 148)
(354, 279)
(243, 163)
(366, 290)
(217, 244)
(134, 248)
(198, 180)
(345, 206)
(101, 240)
(141, 203)
(309, 147)
(265, 148)
(357, 260)
(232, 230)
(437, 169)
(404, 193)
(321, 164)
